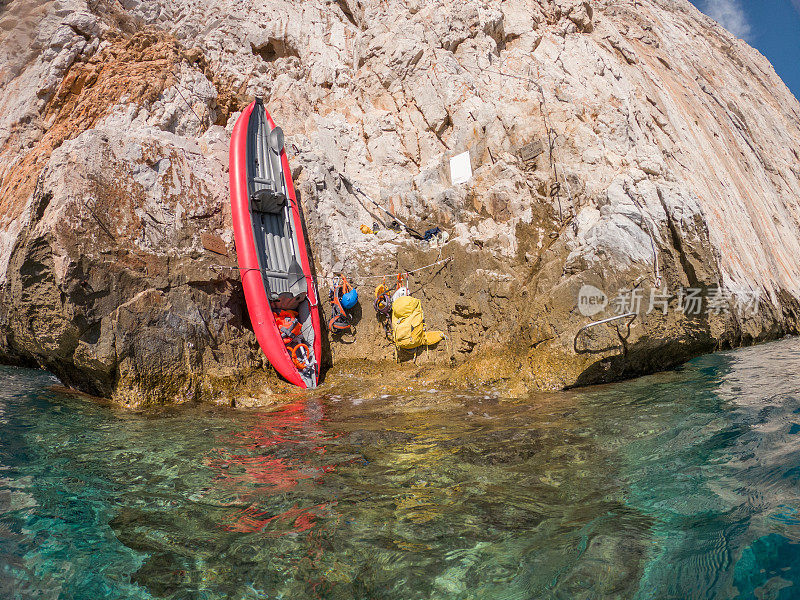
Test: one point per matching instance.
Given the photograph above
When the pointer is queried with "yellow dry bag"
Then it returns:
(408, 325)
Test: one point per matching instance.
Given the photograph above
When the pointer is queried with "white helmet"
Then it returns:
(403, 291)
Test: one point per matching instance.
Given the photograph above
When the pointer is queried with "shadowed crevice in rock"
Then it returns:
(648, 355)
(274, 49)
(347, 12)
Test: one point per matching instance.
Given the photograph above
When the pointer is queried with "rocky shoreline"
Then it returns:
(663, 161)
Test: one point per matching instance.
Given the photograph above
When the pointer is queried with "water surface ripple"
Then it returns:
(681, 485)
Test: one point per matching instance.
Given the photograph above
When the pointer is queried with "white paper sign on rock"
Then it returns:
(460, 168)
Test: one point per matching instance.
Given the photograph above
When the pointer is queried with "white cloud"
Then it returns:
(731, 15)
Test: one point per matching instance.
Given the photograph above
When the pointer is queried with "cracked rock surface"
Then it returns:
(667, 158)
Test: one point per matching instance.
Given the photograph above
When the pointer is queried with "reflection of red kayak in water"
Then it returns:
(251, 519)
(252, 477)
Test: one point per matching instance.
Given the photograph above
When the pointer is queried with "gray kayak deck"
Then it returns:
(273, 227)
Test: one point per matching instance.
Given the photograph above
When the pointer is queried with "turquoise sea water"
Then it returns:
(681, 485)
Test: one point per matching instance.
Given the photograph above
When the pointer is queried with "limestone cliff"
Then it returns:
(619, 144)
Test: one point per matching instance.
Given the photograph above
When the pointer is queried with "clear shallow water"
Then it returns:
(681, 485)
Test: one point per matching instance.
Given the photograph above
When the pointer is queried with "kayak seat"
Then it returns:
(286, 301)
(290, 291)
(267, 201)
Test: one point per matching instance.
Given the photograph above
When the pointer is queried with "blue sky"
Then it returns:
(771, 26)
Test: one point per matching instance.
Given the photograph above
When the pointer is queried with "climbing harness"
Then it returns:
(383, 309)
(383, 300)
(383, 303)
(342, 296)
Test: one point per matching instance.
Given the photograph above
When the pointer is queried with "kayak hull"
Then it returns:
(258, 254)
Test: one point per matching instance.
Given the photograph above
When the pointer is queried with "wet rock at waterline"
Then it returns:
(641, 150)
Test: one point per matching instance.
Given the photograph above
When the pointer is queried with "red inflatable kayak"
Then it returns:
(272, 249)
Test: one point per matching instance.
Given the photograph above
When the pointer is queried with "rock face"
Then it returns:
(616, 144)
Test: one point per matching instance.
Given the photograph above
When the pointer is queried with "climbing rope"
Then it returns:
(556, 187)
(177, 89)
(383, 299)
(231, 268)
(551, 143)
(656, 269)
(349, 182)
(189, 104)
(354, 277)
(392, 274)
